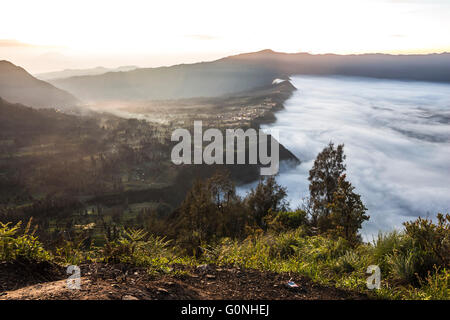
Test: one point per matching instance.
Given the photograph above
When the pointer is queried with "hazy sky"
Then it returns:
(49, 34)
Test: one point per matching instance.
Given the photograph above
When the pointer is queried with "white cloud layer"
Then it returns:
(396, 136)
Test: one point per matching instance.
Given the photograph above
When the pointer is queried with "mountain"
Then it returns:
(18, 121)
(247, 71)
(206, 79)
(66, 73)
(422, 67)
(17, 85)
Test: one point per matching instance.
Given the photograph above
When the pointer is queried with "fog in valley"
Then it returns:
(396, 136)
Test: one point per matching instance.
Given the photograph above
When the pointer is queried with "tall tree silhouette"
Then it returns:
(328, 167)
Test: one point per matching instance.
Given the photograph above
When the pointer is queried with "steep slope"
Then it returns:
(17, 85)
(206, 79)
(19, 121)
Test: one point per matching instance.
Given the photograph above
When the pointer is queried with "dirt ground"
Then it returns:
(119, 282)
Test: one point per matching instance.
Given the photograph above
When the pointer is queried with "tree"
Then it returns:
(266, 197)
(211, 210)
(328, 167)
(347, 211)
(196, 220)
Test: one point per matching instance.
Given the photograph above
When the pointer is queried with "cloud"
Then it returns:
(396, 136)
(13, 43)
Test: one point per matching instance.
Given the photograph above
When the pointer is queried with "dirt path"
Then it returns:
(205, 282)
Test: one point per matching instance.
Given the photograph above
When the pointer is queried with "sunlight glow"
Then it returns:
(218, 28)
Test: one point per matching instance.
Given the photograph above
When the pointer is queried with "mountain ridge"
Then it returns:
(247, 71)
(19, 86)
(67, 73)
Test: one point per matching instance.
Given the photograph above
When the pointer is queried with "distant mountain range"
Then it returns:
(422, 67)
(208, 79)
(247, 71)
(18, 86)
(66, 73)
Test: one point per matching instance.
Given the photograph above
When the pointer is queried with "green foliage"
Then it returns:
(323, 177)
(137, 248)
(286, 220)
(403, 266)
(349, 262)
(284, 245)
(432, 241)
(16, 245)
(436, 286)
(72, 253)
(267, 196)
(210, 211)
(347, 211)
(386, 245)
(336, 261)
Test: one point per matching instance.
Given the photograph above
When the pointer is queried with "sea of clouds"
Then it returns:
(396, 136)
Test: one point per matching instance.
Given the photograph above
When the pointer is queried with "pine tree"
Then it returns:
(347, 211)
(267, 196)
(328, 167)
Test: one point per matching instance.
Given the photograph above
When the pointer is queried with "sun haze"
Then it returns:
(87, 33)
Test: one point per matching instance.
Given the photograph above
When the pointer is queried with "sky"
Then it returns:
(48, 35)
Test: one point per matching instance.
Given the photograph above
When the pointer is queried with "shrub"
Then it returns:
(284, 245)
(349, 262)
(436, 286)
(137, 248)
(286, 220)
(386, 245)
(267, 196)
(403, 266)
(72, 253)
(433, 240)
(16, 246)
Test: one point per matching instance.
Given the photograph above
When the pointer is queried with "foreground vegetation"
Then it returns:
(411, 268)
(319, 240)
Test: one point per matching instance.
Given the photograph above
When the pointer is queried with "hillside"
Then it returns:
(18, 86)
(66, 73)
(17, 120)
(206, 79)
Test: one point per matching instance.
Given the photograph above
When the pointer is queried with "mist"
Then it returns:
(396, 136)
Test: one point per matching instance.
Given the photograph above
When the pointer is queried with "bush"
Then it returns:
(388, 244)
(436, 286)
(286, 220)
(137, 248)
(15, 246)
(72, 253)
(349, 262)
(432, 240)
(284, 245)
(403, 266)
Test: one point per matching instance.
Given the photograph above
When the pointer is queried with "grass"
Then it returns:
(336, 263)
(328, 261)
